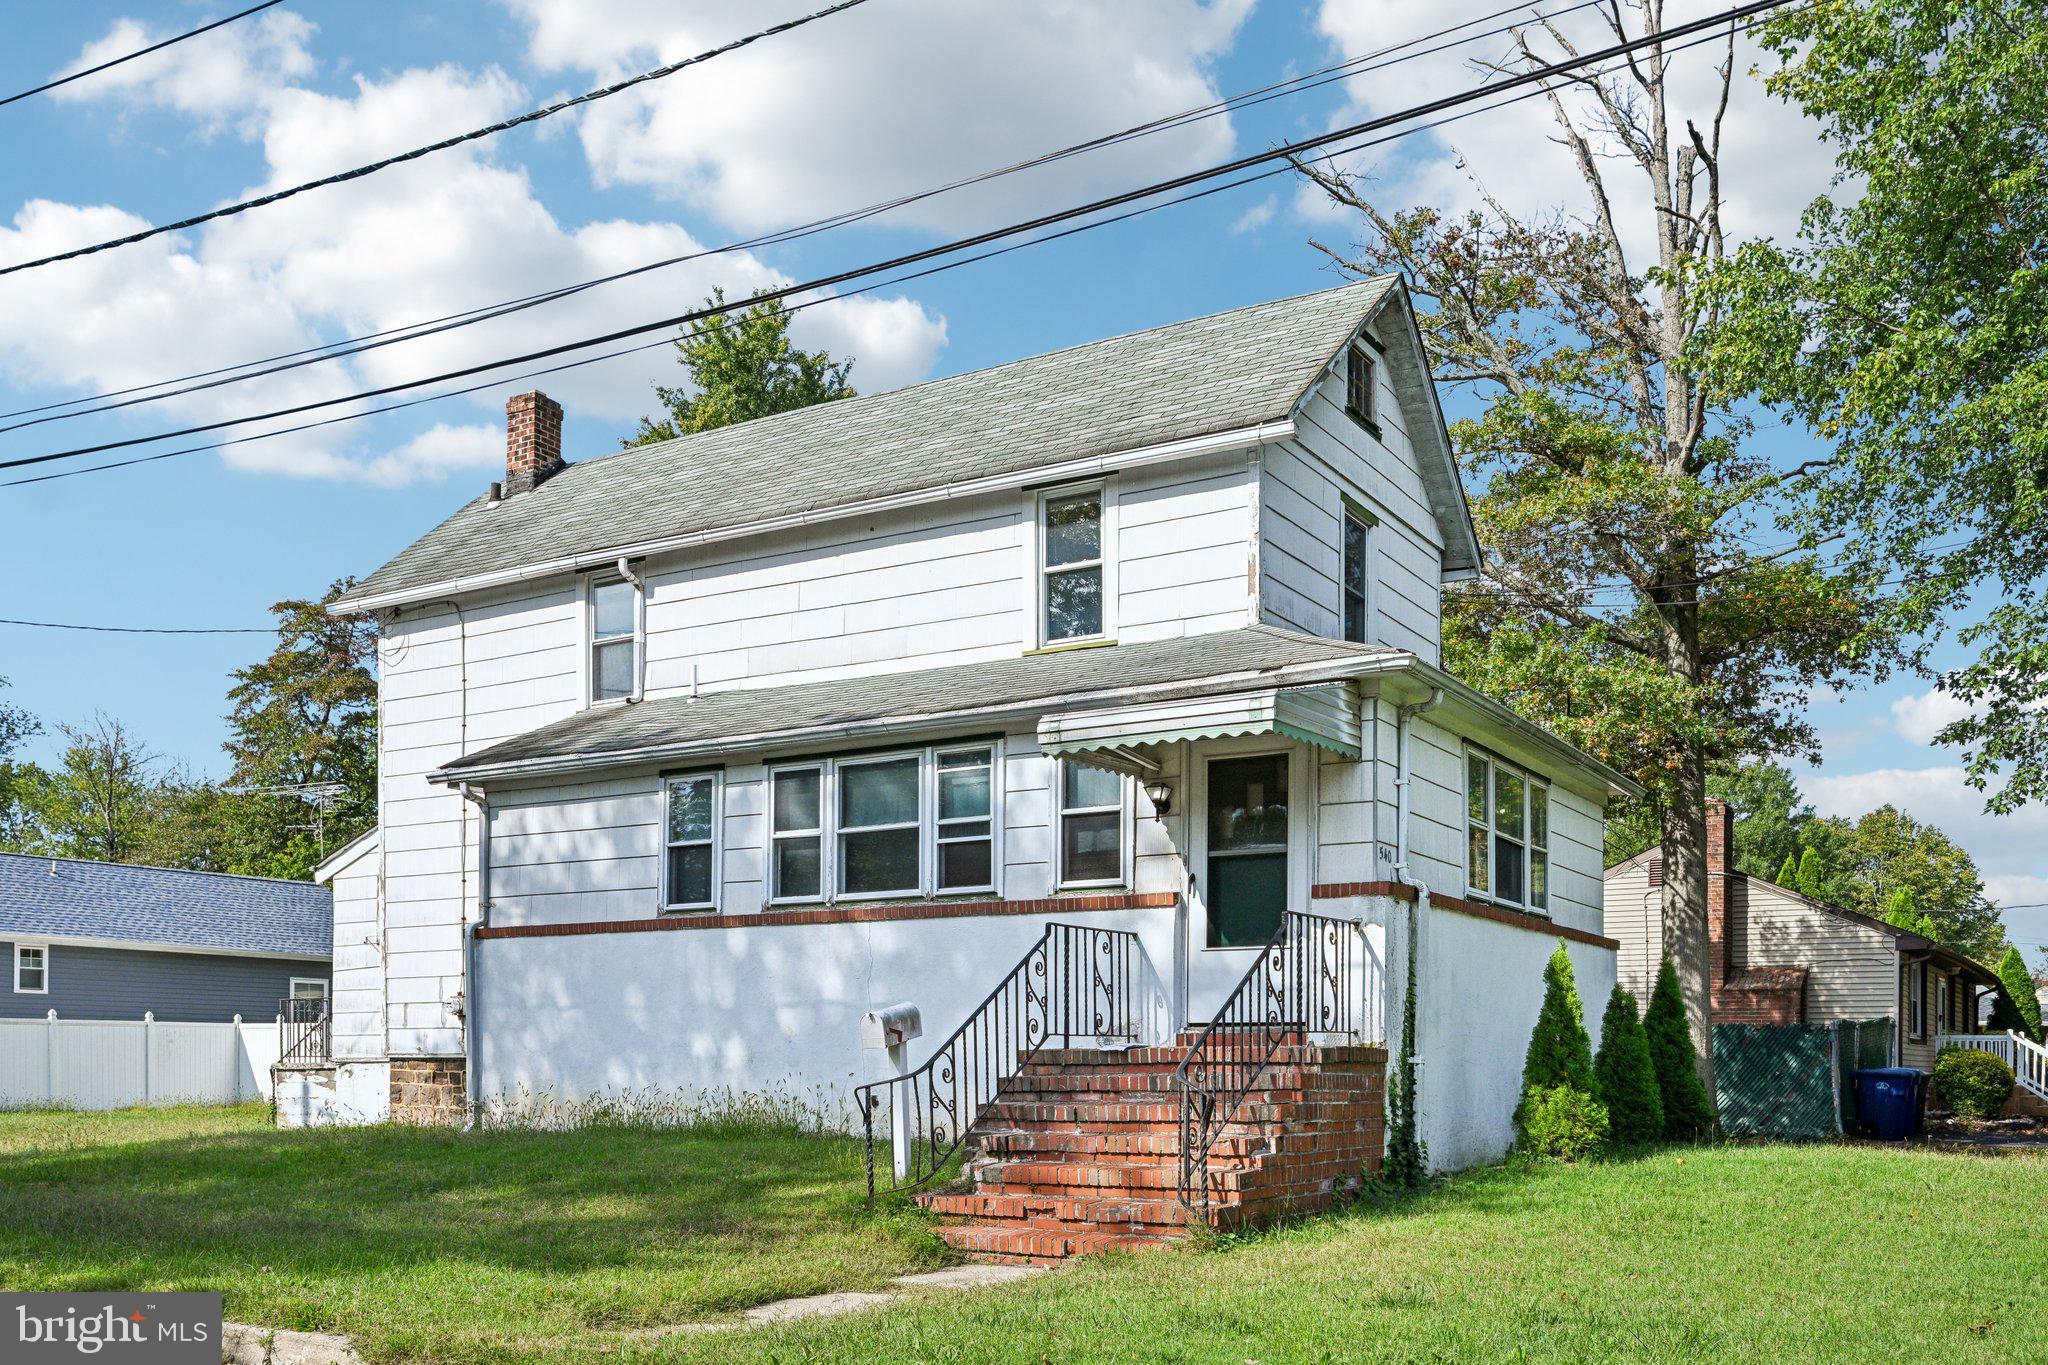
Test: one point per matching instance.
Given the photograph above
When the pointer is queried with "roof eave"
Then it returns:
(1185, 448)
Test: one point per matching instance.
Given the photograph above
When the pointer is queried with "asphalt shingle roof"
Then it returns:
(1196, 378)
(750, 714)
(71, 898)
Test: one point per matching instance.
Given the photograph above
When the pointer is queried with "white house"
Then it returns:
(693, 753)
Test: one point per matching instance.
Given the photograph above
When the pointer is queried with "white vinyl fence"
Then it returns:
(117, 1063)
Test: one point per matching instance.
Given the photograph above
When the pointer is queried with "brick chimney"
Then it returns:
(1720, 845)
(533, 441)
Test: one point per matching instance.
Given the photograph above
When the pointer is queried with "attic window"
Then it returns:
(1360, 388)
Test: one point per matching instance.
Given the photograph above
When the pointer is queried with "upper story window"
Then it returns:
(1091, 818)
(1358, 526)
(1361, 386)
(1073, 589)
(615, 635)
(1507, 857)
(904, 824)
(690, 843)
(31, 969)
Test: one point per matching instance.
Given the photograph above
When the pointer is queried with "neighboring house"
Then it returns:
(113, 941)
(692, 753)
(1777, 957)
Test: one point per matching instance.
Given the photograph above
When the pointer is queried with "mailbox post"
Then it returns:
(891, 1028)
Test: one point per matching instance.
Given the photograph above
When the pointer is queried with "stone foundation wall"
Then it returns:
(428, 1090)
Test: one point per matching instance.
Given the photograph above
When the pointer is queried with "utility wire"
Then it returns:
(1285, 151)
(144, 630)
(290, 360)
(503, 380)
(140, 52)
(531, 116)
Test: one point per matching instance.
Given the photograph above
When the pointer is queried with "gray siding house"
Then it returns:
(110, 941)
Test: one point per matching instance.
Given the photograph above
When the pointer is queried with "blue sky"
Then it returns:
(896, 95)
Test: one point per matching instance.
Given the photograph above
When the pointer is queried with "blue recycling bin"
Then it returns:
(1888, 1101)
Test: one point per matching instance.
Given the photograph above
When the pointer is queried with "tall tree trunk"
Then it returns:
(1683, 828)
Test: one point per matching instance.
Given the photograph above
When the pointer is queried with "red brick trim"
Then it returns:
(1514, 919)
(851, 914)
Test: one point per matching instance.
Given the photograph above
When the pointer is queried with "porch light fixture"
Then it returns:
(1160, 794)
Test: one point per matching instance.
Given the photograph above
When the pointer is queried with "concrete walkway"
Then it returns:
(242, 1344)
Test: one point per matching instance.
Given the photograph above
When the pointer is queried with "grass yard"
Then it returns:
(508, 1247)
(432, 1245)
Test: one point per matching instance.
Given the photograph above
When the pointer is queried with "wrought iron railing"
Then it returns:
(1075, 983)
(305, 1031)
(1303, 982)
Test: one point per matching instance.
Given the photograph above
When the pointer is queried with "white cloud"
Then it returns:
(888, 98)
(1256, 217)
(417, 241)
(209, 78)
(439, 451)
(1920, 716)
(2003, 845)
(1774, 163)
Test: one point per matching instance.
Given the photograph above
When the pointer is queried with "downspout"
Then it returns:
(474, 996)
(1406, 877)
(625, 567)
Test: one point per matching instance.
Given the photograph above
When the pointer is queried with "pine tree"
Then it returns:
(1813, 875)
(2017, 986)
(1625, 1079)
(1788, 875)
(1560, 1052)
(1686, 1114)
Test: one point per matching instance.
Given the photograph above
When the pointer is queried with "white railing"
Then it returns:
(2027, 1058)
(116, 1063)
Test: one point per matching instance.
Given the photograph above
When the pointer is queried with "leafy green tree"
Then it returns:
(1687, 1111)
(16, 778)
(1902, 911)
(1625, 602)
(1625, 1079)
(1560, 1052)
(1769, 813)
(2018, 1006)
(1788, 875)
(98, 800)
(1887, 851)
(1907, 325)
(742, 366)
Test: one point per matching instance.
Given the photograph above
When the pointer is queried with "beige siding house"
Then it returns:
(1778, 957)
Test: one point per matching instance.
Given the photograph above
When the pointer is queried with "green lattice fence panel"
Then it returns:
(1860, 1044)
(1776, 1080)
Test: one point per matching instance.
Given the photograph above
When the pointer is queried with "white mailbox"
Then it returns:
(891, 1026)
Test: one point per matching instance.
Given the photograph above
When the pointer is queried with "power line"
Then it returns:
(143, 630)
(290, 360)
(531, 116)
(140, 52)
(1285, 151)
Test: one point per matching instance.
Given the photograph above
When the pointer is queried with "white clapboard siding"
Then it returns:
(1633, 912)
(1853, 967)
(358, 971)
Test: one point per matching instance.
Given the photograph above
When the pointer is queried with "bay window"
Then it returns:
(1507, 834)
(690, 843)
(885, 825)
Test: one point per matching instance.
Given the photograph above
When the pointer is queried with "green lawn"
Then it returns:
(504, 1247)
(432, 1245)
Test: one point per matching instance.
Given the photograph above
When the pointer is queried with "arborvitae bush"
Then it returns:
(1788, 875)
(2018, 988)
(1623, 1077)
(1563, 1122)
(1560, 1052)
(1686, 1112)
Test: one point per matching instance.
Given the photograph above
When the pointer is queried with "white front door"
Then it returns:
(1248, 859)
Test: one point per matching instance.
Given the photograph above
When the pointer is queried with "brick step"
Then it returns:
(1113, 1115)
(1109, 1146)
(1035, 1210)
(1162, 1058)
(1159, 1081)
(1046, 1244)
(1066, 1177)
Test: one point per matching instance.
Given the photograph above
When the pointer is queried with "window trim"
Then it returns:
(716, 843)
(1352, 511)
(326, 989)
(1105, 561)
(938, 839)
(1916, 1002)
(1356, 360)
(44, 950)
(1124, 831)
(1531, 781)
(591, 640)
(829, 832)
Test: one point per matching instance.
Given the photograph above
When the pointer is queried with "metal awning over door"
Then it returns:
(1123, 737)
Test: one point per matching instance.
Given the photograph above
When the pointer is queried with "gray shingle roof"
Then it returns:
(1197, 378)
(71, 898)
(750, 714)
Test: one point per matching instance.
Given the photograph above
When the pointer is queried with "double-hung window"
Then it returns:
(1091, 833)
(614, 640)
(690, 843)
(1942, 1022)
(1358, 524)
(1071, 579)
(1360, 387)
(31, 969)
(1916, 1000)
(902, 824)
(1507, 857)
